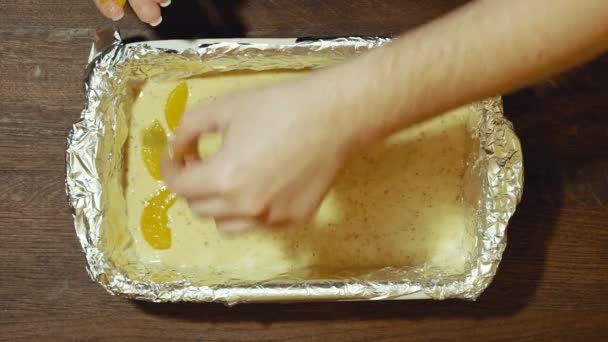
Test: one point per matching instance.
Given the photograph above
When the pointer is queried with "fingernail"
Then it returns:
(114, 10)
(119, 16)
(166, 3)
(156, 23)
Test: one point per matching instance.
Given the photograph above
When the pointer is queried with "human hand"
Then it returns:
(148, 11)
(282, 147)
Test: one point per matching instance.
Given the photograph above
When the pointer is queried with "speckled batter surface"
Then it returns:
(397, 204)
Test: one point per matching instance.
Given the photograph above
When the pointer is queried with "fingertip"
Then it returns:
(111, 9)
(191, 127)
(209, 207)
(234, 226)
(147, 11)
(191, 181)
(119, 16)
(157, 22)
(163, 3)
(168, 170)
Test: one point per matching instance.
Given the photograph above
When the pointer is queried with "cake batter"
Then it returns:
(397, 204)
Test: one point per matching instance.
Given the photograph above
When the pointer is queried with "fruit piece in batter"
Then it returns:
(176, 105)
(155, 220)
(154, 143)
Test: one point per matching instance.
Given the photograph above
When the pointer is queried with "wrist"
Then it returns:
(364, 98)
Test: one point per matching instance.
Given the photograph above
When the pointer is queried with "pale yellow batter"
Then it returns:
(397, 204)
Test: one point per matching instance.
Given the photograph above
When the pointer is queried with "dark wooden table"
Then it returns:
(551, 285)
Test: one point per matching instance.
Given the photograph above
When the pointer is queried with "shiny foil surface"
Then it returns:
(95, 159)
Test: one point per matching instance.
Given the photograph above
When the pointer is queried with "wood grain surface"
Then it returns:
(552, 284)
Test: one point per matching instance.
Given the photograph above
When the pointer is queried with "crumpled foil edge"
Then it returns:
(500, 165)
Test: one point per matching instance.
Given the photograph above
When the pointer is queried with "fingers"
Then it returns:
(183, 171)
(148, 11)
(212, 207)
(223, 206)
(298, 209)
(196, 180)
(233, 226)
(219, 209)
(304, 207)
(164, 3)
(112, 9)
(192, 126)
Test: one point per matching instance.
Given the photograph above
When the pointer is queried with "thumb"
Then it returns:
(194, 124)
(112, 9)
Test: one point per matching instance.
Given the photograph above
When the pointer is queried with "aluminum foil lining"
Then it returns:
(94, 162)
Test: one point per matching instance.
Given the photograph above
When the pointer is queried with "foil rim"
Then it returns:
(501, 172)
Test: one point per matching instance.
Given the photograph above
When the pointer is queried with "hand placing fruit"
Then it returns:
(148, 11)
(282, 147)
